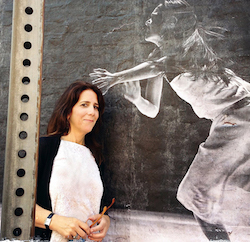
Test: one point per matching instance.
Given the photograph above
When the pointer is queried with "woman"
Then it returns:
(69, 188)
(184, 58)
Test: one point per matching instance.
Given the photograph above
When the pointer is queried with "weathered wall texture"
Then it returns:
(145, 158)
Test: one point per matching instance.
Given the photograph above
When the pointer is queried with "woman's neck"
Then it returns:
(79, 139)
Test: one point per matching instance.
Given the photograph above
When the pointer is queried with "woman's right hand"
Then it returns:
(103, 79)
(69, 227)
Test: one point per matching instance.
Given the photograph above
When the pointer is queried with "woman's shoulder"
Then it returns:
(49, 141)
(48, 148)
(49, 138)
(183, 78)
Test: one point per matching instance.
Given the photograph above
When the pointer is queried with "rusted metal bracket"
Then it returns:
(19, 190)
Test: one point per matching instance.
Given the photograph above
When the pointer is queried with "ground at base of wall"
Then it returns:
(142, 226)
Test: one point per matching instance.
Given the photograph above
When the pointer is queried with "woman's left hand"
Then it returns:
(133, 91)
(97, 233)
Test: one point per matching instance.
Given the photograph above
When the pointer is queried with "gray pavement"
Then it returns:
(141, 226)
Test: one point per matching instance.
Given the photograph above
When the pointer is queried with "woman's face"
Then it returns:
(84, 114)
(154, 25)
(161, 24)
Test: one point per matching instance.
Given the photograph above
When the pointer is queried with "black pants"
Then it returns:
(213, 231)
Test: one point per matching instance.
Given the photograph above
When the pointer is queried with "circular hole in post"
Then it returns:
(23, 135)
(28, 10)
(24, 116)
(28, 27)
(20, 173)
(27, 45)
(25, 98)
(26, 62)
(25, 80)
(19, 192)
(21, 153)
(17, 231)
(18, 211)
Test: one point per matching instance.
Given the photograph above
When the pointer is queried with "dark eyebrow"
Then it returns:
(89, 102)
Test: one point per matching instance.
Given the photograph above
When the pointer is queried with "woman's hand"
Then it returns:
(103, 79)
(69, 227)
(133, 91)
(97, 233)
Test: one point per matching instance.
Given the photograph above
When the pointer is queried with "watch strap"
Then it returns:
(48, 220)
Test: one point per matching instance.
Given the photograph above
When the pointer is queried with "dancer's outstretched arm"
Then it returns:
(149, 105)
(105, 80)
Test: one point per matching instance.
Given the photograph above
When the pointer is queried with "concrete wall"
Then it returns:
(110, 34)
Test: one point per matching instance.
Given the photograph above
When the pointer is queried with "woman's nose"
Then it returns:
(148, 22)
(91, 110)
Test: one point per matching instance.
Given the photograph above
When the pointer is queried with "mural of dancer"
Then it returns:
(222, 163)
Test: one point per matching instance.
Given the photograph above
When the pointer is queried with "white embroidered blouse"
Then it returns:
(75, 186)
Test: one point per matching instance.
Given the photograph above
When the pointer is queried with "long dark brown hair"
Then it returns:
(59, 125)
(192, 40)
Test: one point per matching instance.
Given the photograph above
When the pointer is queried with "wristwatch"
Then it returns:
(48, 220)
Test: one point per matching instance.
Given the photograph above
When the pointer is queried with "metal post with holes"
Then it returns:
(19, 190)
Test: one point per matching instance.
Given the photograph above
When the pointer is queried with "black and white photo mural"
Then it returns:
(176, 126)
(192, 56)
